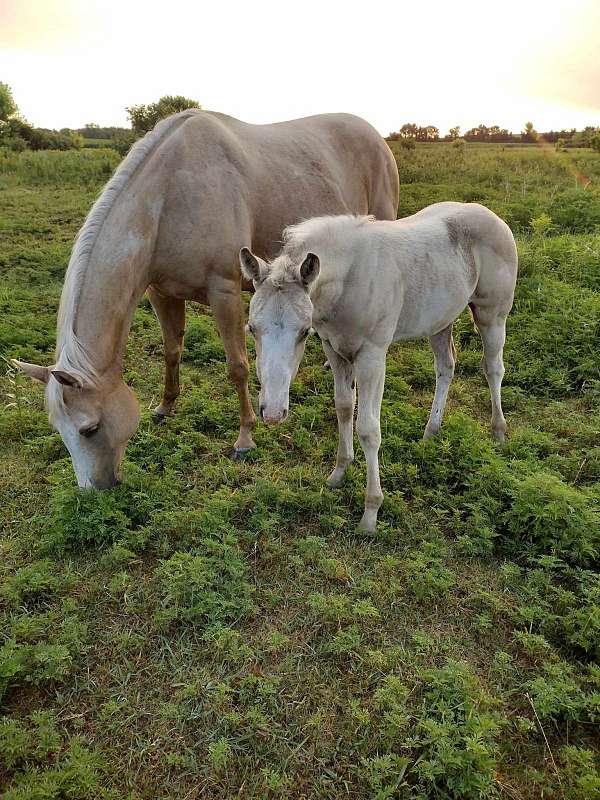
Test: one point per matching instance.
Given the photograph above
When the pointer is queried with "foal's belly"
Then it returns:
(429, 314)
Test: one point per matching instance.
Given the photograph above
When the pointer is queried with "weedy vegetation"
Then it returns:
(214, 629)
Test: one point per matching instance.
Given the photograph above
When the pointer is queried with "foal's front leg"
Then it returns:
(345, 399)
(370, 376)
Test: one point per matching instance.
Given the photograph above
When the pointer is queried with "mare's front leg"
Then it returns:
(171, 314)
(370, 376)
(226, 303)
(345, 399)
(444, 357)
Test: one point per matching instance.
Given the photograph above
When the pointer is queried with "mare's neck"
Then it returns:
(98, 304)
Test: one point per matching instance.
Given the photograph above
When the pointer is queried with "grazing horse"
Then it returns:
(171, 222)
(364, 284)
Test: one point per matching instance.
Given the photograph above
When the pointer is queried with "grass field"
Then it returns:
(221, 630)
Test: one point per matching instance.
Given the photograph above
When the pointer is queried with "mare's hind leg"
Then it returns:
(345, 399)
(227, 306)
(444, 357)
(492, 328)
(171, 315)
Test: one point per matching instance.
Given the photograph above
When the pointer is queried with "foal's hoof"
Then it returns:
(240, 453)
(158, 418)
(336, 479)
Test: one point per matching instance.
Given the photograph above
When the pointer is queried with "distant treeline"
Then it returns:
(93, 131)
(571, 137)
(18, 135)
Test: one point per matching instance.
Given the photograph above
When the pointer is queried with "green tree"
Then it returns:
(8, 107)
(595, 142)
(529, 133)
(144, 117)
(454, 133)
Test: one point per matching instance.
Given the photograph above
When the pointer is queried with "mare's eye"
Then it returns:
(87, 432)
(250, 329)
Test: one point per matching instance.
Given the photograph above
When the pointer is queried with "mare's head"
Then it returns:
(95, 416)
(280, 320)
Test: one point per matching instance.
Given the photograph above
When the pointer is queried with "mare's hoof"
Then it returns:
(240, 453)
(158, 418)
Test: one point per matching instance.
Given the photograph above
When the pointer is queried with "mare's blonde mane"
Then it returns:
(71, 354)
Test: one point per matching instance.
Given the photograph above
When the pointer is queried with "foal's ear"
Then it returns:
(34, 371)
(66, 378)
(309, 269)
(250, 265)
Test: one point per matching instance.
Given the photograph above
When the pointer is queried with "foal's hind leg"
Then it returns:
(442, 345)
(345, 399)
(492, 328)
(171, 315)
(227, 306)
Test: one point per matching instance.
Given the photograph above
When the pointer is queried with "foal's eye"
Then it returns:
(304, 334)
(88, 432)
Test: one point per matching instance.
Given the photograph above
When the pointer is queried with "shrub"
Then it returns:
(553, 518)
(457, 735)
(31, 582)
(204, 587)
(557, 694)
(78, 775)
(552, 337)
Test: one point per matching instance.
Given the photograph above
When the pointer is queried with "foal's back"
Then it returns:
(412, 277)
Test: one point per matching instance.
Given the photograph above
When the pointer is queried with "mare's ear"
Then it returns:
(309, 269)
(34, 371)
(66, 378)
(253, 269)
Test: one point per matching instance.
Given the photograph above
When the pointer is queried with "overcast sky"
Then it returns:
(452, 62)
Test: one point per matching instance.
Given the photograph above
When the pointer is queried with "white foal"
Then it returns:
(364, 284)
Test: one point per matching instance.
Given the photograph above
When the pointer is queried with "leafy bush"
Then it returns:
(79, 774)
(204, 587)
(552, 338)
(40, 648)
(451, 733)
(456, 734)
(554, 518)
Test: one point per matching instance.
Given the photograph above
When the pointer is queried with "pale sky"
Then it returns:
(440, 62)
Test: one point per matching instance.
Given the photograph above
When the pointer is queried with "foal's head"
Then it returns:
(280, 320)
(95, 420)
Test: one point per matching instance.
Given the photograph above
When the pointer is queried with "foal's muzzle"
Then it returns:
(270, 417)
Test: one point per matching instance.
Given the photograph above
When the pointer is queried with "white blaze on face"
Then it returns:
(281, 349)
(280, 320)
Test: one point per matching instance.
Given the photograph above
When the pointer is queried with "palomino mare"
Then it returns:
(365, 284)
(171, 221)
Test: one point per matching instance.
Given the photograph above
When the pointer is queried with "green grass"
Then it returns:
(221, 630)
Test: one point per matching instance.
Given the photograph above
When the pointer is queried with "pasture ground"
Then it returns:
(219, 630)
